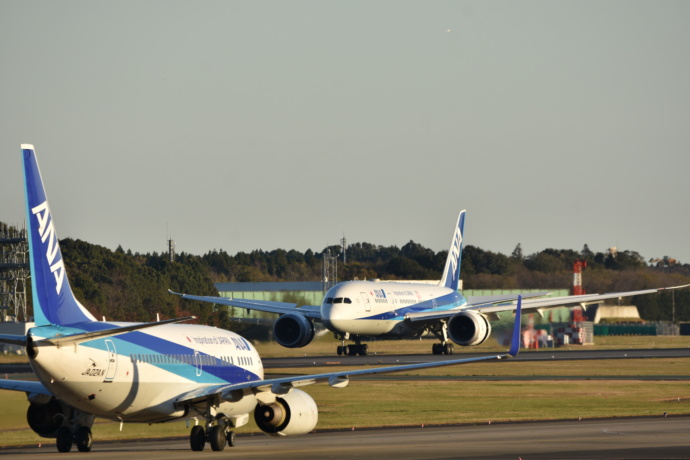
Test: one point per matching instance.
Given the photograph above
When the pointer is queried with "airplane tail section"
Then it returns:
(53, 300)
(451, 274)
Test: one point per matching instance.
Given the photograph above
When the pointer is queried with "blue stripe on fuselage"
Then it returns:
(140, 343)
(445, 302)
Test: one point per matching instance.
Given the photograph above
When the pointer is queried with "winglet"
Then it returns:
(517, 329)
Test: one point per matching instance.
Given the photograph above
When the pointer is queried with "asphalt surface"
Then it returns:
(542, 355)
(392, 360)
(611, 439)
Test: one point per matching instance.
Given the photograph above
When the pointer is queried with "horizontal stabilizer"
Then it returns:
(86, 336)
(11, 339)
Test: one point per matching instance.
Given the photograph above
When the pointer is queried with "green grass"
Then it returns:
(533, 391)
(326, 345)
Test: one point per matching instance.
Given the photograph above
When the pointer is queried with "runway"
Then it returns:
(541, 355)
(392, 360)
(639, 438)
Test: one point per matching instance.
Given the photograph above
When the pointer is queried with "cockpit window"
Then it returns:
(342, 300)
(329, 300)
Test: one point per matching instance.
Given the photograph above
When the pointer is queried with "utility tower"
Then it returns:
(329, 277)
(14, 274)
(577, 277)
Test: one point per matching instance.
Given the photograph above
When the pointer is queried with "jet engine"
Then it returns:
(468, 328)
(45, 419)
(291, 414)
(46, 415)
(293, 330)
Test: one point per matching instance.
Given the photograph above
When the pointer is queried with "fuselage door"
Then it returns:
(112, 361)
(365, 301)
(197, 363)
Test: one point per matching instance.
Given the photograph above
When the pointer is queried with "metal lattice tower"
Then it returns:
(330, 270)
(14, 274)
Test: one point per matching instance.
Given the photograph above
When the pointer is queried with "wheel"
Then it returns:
(352, 350)
(83, 439)
(436, 349)
(340, 350)
(197, 438)
(216, 437)
(448, 349)
(64, 439)
(363, 349)
(231, 438)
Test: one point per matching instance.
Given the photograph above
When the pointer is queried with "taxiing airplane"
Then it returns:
(356, 310)
(150, 372)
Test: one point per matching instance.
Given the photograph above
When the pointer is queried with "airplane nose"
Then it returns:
(326, 316)
(330, 316)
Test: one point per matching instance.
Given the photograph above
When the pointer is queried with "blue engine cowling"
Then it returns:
(293, 330)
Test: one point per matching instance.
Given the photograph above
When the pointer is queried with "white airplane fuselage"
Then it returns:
(379, 308)
(138, 376)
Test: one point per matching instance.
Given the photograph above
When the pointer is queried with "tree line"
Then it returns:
(126, 286)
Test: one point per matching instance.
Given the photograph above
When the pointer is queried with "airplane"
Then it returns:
(356, 310)
(152, 372)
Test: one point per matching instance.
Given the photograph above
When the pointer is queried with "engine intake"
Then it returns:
(293, 330)
(292, 414)
(468, 328)
(45, 419)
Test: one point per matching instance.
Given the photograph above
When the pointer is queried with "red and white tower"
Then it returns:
(577, 277)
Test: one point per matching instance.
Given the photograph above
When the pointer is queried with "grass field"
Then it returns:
(461, 394)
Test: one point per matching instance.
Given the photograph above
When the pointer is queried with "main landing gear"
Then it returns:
(82, 438)
(359, 348)
(217, 434)
(446, 347)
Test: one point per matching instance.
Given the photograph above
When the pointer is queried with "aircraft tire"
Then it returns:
(63, 439)
(83, 439)
(231, 438)
(363, 349)
(216, 437)
(197, 438)
(340, 350)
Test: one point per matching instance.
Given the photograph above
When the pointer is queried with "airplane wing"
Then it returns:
(310, 311)
(12, 339)
(338, 379)
(27, 386)
(534, 304)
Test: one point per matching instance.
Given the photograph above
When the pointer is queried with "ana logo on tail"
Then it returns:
(46, 231)
(455, 249)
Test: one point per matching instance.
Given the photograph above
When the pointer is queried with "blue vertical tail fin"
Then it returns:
(451, 274)
(53, 300)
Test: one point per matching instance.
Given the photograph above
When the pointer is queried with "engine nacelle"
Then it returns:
(291, 414)
(468, 328)
(45, 419)
(293, 330)
(45, 416)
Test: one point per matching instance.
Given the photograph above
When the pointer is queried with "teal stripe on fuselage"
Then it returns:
(130, 345)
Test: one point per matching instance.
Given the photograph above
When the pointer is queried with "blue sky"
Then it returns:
(263, 125)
